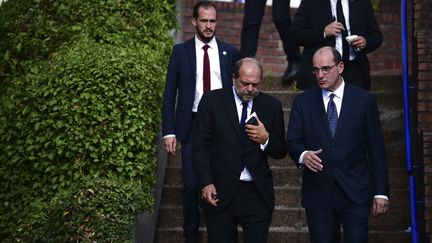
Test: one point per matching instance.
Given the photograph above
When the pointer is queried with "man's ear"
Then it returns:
(194, 21)
(341, 67)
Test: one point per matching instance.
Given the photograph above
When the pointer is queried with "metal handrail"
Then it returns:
(407, 125)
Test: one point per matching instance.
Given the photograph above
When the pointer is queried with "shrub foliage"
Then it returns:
(79, 115)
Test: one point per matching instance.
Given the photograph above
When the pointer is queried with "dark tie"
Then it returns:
(243, 120)
(332, 115)
(206, 70)
(341, 19)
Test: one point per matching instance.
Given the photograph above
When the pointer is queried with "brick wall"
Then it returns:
(423, 32)
(385, 61)
(427, 159)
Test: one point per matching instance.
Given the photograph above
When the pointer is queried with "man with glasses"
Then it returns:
(334, 134)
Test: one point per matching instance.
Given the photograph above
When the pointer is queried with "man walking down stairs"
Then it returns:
(289, 221)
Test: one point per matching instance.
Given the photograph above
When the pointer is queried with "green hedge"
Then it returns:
(79, 115)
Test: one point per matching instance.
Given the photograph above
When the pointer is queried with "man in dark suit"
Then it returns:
(334, 133)
(252, 18)
(196, 66)
(317, 23)
(231, 157)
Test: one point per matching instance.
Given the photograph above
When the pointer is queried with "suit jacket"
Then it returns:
(355, 157)
(219, 151)
(308, 30)
(180, 85)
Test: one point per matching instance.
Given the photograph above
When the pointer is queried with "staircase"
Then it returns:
(289, 221)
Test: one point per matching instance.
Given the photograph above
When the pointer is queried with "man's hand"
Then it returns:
(258, 134)
(359, 43)
(333, 29)
(380, 206)
(312, 161)
(170, 144)
(209, 194)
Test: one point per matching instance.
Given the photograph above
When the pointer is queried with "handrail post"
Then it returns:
(407, 125)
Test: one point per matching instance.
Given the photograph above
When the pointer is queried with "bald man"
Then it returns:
(231, 156)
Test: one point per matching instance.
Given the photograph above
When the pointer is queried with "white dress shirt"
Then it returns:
(345, 10)
(215, 72)
(245, 174)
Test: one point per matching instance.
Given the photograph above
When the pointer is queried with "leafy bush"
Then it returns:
(34, 29)
(79, 113)
(92, 210)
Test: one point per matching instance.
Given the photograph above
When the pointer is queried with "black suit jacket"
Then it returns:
(180, 85)
(355, 157)
(308, 30)
(219, 151)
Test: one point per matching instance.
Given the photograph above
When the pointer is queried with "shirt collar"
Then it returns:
(338, 92)
(199, 44)
(237, 99)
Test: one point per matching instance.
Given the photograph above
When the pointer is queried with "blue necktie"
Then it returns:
(332, 115)
(243, 120)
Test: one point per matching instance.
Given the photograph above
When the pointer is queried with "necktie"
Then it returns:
(206, 70)
(332, 115)
(243, 120)
(341, 19)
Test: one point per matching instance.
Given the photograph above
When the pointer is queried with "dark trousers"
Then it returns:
(248, 210)
(253, 15)
(324, 223)
(189, 193)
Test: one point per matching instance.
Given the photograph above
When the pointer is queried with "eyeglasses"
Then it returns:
(325, 69)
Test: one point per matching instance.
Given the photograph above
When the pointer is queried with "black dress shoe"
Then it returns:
(290, 73)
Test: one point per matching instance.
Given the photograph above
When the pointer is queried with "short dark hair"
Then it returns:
(203, 4)
(240, 62)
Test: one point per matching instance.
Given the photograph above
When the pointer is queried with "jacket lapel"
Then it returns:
(319, 109)
(223, 54)
(192, 56)
(231, 110)
(347, 105)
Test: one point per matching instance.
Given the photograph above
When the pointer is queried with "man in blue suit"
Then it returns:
(334, 133)
(183, 90)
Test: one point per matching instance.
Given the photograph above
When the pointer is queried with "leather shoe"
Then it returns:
(291, 72)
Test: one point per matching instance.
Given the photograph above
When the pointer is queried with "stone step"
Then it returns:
(281, 235)
(391, 119)
(384, 100)
(395, 219)
(394, 142)
(291, 176)
(380, 84)
(288, 196)
(284, 195)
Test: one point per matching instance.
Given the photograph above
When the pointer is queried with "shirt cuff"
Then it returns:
(301, 157)
(264, 146)
(381, 196)
(169, 136)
